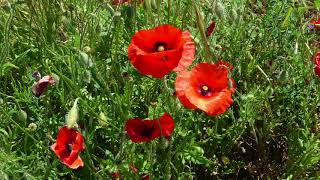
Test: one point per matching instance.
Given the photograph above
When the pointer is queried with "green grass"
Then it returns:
(271, 130)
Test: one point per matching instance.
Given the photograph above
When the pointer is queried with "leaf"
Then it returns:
(317, 3)
(286, 21)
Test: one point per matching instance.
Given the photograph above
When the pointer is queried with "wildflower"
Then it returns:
(133, 168)
(145, 177)
(141, 130)
(317, 63)
(67, 147)
(206, 87)
(158, 51)
(115, 175)
(41, 86)
(315, 24)
(210, 29)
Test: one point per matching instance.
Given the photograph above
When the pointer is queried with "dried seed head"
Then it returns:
(32, 127)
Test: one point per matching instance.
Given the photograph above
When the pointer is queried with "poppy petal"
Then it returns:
(210, 29)
(77, 163)
(187, 54)
(181, 83)
(213, 106)
(141, 130)
(160, 50)
(167, 125)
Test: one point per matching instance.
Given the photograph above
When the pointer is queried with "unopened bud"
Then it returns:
(103, 119)
(73, 115)
(22, 115)
(233, 16)
(219, 10)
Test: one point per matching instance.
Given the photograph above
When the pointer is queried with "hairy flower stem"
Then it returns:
(200, 24)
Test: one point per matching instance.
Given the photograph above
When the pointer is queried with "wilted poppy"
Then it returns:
(210, 29)
(41, 86)
(141, 130)
(158, 51)
(67, 147)
(317, 63)
(206, 87)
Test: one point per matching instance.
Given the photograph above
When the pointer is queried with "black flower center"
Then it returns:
(147, 131)
(205, 90)
(69, 148)
(160, 46)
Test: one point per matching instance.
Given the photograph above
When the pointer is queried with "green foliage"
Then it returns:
(271, 130)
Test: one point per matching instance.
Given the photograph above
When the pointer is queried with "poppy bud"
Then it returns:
(22, 115)
(73, 115)
(103, 121)
(32, 127)
(233, 16)
(87, 61)
(219, 10)
(225, 160)
(87, 49)
(36, 75)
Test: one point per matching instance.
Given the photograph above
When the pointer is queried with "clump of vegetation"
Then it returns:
(159, 89)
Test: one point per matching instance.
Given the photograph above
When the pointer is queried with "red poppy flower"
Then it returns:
(69, 143)
(41, 86)
(133, 168)
(158, 51)
(141, 130)
(315, 24)
(145, 177)
(206, 87)
(317, 63)
(115, 175)
(210, 29)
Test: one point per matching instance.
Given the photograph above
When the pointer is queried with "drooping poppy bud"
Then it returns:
(210, 29)
(73, 115)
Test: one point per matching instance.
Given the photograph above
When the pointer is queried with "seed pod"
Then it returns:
(32, 127)
(233, 15)
(22, 115)
(73, 115)
(103, 119)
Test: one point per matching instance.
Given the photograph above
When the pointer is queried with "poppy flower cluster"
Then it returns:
(141, 130)
(317, 63)
(158, 51)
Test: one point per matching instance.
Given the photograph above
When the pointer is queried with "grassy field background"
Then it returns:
(271, 130)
